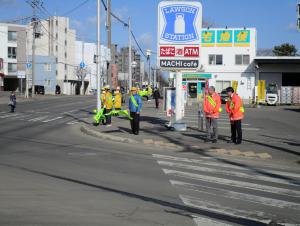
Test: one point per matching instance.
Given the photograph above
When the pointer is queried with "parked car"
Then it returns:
(224, 96)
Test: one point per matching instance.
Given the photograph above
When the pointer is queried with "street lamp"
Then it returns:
(133, 66)
(148, 53)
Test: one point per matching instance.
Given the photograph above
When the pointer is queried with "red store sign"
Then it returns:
(175, 51)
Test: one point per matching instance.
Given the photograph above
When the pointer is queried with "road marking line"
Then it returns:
(224, 172)
(53, 119)
(38, 119)
(223, 165)
(225, 210)
(203, 221)
(233, 183)
(237, 195)
(9, 115)
(72, 123)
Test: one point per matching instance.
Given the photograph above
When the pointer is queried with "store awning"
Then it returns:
(196, 76)
(277, 60)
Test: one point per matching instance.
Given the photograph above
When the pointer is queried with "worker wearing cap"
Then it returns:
(235, 109)
(212, 109)
(118, 99)
(108, 102)
(135, 105)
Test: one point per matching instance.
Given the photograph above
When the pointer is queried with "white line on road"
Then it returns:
(237, 195)
(53, 119)
(72, 122)
(223, 165)
(10, 115)
(203, 221)
(225, 210)
(38, 119)
(225, 172)
(233, 183)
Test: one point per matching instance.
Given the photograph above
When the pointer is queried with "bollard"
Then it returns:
(200, 120)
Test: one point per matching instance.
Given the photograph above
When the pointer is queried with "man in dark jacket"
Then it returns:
(12, 102)
(156, 96)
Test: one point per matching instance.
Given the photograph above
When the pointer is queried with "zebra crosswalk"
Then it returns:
(234, 194)
(37, 117)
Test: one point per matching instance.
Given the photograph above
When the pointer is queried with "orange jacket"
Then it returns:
(235, 108)
(212, 106)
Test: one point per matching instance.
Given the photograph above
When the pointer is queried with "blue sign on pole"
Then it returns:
(28, 65)
(82, 65)
(180, 23)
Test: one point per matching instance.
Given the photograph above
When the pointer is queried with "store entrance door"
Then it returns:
(192, 89)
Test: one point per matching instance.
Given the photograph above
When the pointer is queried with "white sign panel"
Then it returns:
(21, 74)
(179, 34)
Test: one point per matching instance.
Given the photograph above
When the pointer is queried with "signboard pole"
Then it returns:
(179, 125)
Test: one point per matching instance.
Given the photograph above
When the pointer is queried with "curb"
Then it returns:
(149, 142)
(91, 132)
(168, 145)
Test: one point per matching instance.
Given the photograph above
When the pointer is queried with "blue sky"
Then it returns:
(275, 20)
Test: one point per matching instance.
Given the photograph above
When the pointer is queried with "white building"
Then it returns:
(12, 56)
(57, 39)
(85, 52)
(226, 55)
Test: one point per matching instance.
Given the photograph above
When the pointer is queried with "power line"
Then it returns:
(138, 45)
(125, 25)
(75, 8)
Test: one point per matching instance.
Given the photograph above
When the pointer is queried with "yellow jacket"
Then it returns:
(118, 100)
(108, 102)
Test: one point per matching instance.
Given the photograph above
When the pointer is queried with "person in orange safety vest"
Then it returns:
(236, 110)
(212, 109)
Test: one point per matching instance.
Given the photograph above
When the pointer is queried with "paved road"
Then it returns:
(51, 174)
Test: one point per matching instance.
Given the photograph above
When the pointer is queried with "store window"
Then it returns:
(12, 67)
(215, 59)
(242, 59)
(12, 52)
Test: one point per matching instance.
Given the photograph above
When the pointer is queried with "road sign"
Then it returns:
(82, 65)
(28, 65)
(179, 35)
(21, 74)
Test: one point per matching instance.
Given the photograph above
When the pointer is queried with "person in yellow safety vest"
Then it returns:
(118, 99)
(235, 109)
(212, 109)
(108, 103)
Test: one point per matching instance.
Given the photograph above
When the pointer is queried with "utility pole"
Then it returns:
(98, 58)
(129, 55)
(109, 78)
(34, 4)
(82, 69)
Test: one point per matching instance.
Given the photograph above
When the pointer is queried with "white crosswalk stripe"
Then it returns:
(37, 117)
(256, 194)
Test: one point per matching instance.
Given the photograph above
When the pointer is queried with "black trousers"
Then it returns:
(135, 122)
(236, 131)
(156, 102)
(108, 118)
(12, 108)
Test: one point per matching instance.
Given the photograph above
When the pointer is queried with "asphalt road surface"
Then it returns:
(52, 174)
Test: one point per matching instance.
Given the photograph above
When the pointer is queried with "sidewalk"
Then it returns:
(154, 133)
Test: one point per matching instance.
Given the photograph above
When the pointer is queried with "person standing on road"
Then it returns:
(12, 102)
(135, 106)
(156, 96)
(108, 102)
(235, 109)
(212, 109)
(118, 99)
